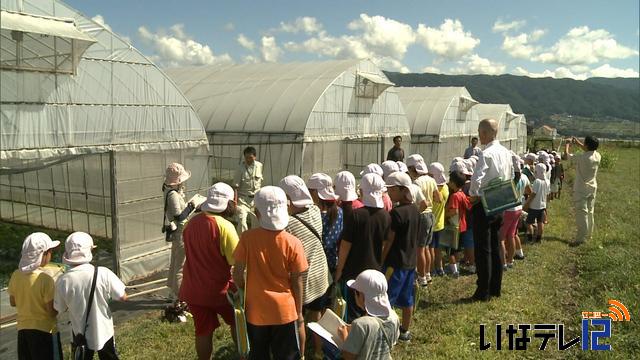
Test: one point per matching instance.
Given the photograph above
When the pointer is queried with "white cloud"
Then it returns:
(520, 46)
(582, 46)
(385, 41)
(431, 69)
(176, 48)
(100, 20)
(245, 42)
(270, 50)
(559, 73)
(229, 27)
(474, 64)
(250, 59)
(391, 64)
(449, 40)
(607, 70)
(386, 37)
(501, 26)
(305, 24)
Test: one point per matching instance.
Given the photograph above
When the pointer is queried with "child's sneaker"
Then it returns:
(455, 274)
(440, 272)
(429, 279)
(422, 281)
(405, 335)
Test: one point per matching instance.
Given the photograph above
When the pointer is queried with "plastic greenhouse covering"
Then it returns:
(86, 149)
(443, 120)
(301, 117)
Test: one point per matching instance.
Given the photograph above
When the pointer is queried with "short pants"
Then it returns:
(510, 221)
(535, 215)
(426, 227)
(435, 242)
(205, 318)
(400, 286)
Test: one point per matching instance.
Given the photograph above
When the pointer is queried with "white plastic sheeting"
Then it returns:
(87, 151)
(301, 117)
(510, 131)
(443, 120)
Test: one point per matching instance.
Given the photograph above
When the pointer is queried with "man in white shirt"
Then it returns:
(493, 162)
(73, 290)
(247, 181)
(585, 185)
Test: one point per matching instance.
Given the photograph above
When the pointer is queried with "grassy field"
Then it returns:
(554, 284)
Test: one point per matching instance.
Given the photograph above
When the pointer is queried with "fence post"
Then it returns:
(115, 238)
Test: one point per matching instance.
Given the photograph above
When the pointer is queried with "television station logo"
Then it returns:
(596, 326)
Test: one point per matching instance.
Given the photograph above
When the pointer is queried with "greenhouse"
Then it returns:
(512, 131)
(301, 117)
(442, 119)
(87, 127)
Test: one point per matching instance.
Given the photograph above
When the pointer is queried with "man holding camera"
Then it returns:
(585, 185)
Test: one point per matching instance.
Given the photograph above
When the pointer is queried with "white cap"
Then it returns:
(33, 247)
(346, 186)
(398, 179)
(218, 197)
(296, 190)
(461, 167)
(271, 202)
(372, 169)
(436, 170)
(417, 161)
(540, 171)
(469, 164)
(373, 285)
(372, 187)
(531, 157)
(388, 168)
(515, 162)
(323, 184)
(543, 157)
(402, 167)
(77, 249)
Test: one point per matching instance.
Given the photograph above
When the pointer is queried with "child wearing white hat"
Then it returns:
(274, 261)
(361, 245)
(209, 242)
(537, 203)
(305, 223)
(31, 291)
(371, 336)
(73, 290)
(436, 171)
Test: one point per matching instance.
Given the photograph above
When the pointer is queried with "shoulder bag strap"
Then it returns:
(384, 333)
(308, 226)
(91, 293)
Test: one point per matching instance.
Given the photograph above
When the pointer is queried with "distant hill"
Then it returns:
(539, 98)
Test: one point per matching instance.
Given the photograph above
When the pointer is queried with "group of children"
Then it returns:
(83, 291)
(317, 242)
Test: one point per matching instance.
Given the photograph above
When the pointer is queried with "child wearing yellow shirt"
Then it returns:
(31, 292)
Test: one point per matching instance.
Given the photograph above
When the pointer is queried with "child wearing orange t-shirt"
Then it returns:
(274, 260)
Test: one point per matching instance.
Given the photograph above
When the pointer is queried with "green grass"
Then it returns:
(553, 285)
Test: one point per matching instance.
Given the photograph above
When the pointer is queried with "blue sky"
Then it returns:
(576, 39)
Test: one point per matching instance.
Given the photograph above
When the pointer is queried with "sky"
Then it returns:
(560, 38)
